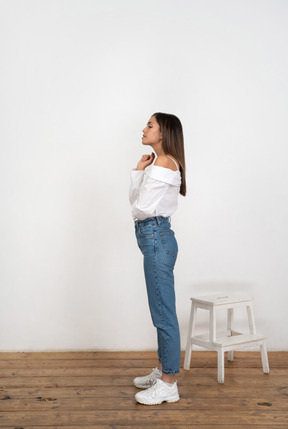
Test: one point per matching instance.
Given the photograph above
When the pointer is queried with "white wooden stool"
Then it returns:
(231, 340)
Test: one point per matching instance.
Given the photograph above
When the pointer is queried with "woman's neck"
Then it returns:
(158, 150)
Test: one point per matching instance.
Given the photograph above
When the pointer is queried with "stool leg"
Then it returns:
(212, 323)
(229, 331)
(220, 362)
(191, 327)
(251, 320)
(264, 358)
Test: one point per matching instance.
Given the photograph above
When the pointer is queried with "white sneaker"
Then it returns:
(158, 393)
(147, 380)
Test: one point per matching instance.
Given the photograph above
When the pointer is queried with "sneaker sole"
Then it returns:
(171, 400)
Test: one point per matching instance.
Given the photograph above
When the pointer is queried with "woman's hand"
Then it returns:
(145, 161)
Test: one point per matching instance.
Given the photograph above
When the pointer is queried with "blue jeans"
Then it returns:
(157, 242)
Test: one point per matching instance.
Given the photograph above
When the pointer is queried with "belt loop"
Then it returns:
(158, 220)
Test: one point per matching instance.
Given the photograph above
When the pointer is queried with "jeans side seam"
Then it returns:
(160, 305)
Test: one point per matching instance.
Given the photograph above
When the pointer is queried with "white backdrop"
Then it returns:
(79, 79)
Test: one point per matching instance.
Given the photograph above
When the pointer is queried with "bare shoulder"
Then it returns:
(166, 162)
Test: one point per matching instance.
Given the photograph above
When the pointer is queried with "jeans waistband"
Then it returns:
(157, 219)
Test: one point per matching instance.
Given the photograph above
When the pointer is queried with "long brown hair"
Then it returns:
(173, 141)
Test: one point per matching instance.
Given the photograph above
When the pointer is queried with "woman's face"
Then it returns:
(151, 133)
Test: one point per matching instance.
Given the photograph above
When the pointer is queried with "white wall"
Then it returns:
(79, 79)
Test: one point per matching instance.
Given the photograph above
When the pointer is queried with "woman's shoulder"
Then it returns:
(164, 173)
(166, 161)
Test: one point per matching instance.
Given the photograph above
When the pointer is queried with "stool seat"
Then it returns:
(228, 341)
(222, 300)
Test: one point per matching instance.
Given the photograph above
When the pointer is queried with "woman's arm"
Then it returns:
(146, 203)
(137, 176)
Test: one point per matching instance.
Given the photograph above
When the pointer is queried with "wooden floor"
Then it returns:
(94, 390)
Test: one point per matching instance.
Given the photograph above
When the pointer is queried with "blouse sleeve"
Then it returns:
(137, 177)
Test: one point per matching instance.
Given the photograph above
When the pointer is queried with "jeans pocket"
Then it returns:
(146, 231)
(169, 243)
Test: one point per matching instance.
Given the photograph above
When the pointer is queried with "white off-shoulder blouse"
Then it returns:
(154, 192)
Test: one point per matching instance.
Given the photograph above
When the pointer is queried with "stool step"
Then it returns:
(235, 340)
(222, 340)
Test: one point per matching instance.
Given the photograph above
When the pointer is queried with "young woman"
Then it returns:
(153, 196)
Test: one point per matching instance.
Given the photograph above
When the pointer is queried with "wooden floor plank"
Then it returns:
(255, 380)
(141, 415)
(130, 363)
(125, 355)
(50, 403)
(275, 391)
(119, 372)
(156, 426)
(140, 364)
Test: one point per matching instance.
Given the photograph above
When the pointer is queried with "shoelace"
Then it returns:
(153, 388)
